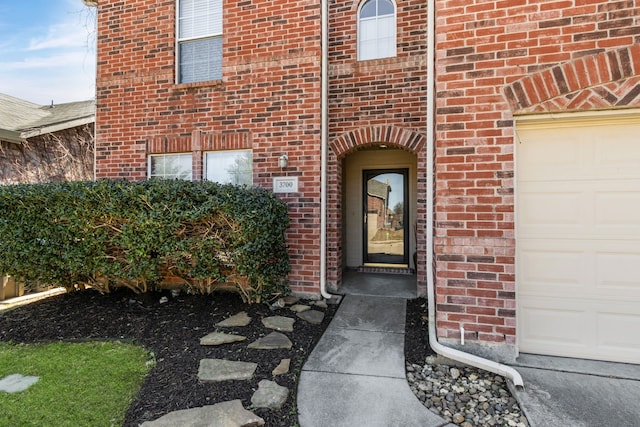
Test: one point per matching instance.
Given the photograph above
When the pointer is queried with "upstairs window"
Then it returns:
(230, 167)
(199, 40)
(376, 30)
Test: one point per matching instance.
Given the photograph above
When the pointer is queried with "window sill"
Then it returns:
(387, 64)
(386, 59)
(198, 85)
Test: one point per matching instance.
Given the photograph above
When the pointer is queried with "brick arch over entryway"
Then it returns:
(406, 139)
(341, 146)
(609, 79)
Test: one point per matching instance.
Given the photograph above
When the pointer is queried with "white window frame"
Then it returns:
(361, 57)
(150, 158)
(183, 40)
(239, 152)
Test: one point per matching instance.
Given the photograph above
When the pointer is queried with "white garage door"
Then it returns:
(578, 236)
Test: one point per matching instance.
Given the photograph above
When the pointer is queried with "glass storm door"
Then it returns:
(385, 219)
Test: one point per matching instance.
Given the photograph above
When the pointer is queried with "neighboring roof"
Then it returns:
(378, 189)
(20, 119)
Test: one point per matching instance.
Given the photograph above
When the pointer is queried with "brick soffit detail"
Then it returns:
(609, 79)
(199, 141)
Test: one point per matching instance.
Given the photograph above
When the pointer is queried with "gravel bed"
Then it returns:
(465, 396)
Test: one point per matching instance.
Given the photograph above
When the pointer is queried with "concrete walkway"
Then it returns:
(355, 376)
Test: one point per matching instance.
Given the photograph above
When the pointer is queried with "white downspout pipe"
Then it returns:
(460, 356)
(94, 3)
(324, 136)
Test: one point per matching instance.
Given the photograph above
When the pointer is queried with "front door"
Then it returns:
(385, 216)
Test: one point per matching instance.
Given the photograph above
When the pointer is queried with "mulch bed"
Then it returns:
(172, 331)
(416, 338)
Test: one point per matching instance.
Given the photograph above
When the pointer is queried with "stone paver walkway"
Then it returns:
(216, 370)
(225, 414)
(273, 341)
(269, 394)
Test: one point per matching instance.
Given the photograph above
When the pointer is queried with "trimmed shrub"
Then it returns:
(145, 235)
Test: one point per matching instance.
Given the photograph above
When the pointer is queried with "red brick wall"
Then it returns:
(494, 59)
(376, 206)
(382, 100)
(267, 100)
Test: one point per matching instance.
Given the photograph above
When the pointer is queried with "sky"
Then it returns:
(47, 50)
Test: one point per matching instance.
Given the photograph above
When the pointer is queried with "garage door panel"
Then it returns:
(578, 237)
(585, 209)
(596, 151)
(543, 270)
(620, 158)
(545, 321)
(567, 159)
(613, 332)
(598, 269)
(575, 329)
(617, 211)
(541, 210)
(618, 273)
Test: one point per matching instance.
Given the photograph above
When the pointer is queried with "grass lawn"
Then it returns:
(81, 384)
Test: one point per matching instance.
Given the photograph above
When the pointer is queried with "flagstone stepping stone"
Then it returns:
(240, 319)
(17, 382)
(273, 341)
(216, 370)
(299, 308)
(321, 304)
(225, 414)
(314, 317)
(282, 368)
(219, 338)
(290, 300)
(279, 323)
(269, 395)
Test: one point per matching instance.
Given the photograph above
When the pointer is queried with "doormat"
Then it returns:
(385, 270)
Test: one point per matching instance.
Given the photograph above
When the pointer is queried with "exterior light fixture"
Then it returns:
(283, 161)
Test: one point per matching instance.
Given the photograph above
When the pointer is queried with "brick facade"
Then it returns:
(376, 101)
(493, 60)
(267, 100)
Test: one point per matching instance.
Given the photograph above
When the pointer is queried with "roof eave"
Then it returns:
(55, 127)
(11, 136)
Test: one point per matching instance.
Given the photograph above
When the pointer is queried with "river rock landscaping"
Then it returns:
(463, 395)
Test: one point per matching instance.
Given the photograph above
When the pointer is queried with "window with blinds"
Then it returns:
(199, 40)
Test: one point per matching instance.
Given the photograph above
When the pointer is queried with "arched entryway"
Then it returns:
(376, 204)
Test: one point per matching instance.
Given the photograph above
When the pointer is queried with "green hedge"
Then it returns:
(145, 235)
